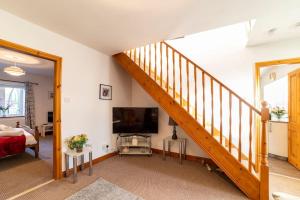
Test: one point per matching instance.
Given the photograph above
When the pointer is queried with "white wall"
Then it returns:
(141, 99)
(42, 103)
(83, 69)
(224, 54)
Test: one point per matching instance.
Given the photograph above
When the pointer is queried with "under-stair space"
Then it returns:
(228, 128)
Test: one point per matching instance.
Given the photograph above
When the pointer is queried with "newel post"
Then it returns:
(264, 165)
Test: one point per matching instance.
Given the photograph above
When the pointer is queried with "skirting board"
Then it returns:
(203, 160)
(278, 157)
(95, 161)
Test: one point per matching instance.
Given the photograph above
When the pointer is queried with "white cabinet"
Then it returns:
(278, 138)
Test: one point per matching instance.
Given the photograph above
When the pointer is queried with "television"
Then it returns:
(135, 120)
(50, 117)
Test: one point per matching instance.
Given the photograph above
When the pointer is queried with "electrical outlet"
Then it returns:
(105, 148)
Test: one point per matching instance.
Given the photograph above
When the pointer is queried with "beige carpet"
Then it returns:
(284, 177)
(21, 172)
(148, 177)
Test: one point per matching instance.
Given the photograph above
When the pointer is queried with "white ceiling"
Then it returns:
(30, 64)
(112, 26)
(283, 20)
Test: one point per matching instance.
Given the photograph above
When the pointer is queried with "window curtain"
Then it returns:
(29, 105)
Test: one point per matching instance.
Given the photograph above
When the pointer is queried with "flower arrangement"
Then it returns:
(77, 142)
(279, 112)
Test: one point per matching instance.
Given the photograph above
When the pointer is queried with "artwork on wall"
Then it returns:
(105, 92)
(50, 95)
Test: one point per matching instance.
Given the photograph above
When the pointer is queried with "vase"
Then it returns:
(79, 149)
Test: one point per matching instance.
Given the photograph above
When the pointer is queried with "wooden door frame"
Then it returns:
(57, 155)
(257, 97)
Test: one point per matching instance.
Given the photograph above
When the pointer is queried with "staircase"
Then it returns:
(228, 128)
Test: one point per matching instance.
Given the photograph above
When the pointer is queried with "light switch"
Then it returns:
(67, 99)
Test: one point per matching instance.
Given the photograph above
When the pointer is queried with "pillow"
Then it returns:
(12, 132)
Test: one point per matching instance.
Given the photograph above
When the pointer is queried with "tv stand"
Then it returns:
(134, 144)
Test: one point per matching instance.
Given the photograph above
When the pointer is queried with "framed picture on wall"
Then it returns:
(105, 92)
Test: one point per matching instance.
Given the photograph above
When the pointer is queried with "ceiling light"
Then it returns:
(14, 71)
(297, 25)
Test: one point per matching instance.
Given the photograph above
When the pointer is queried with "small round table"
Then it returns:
(71, 153)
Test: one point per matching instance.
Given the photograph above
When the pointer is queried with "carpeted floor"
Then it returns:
(148, 177)
(21, 172)
(284, 177)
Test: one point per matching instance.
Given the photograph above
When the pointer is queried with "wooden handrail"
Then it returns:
(216, 80)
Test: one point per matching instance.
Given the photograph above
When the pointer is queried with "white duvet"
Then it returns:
(6, 131)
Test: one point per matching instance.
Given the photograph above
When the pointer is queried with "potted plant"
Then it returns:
(278, 112)
(77, 142)
(3, 109)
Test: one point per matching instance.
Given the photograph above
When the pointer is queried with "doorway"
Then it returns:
(57, 161)
(274, 85)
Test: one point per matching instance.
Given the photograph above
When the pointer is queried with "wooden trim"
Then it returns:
(196, 95)
(57, 166)
(161, 64)
(94, 162)
(180, 79)
(257, 98)
(240, 131)
(155, 58)
(188, 157)
(212, 105)
(167, 55)
(230, 121)
(150, 60)
(203, 99)
(259, 65)
(221, 115)
(188, 85)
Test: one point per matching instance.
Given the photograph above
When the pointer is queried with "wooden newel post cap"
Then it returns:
(264, 111)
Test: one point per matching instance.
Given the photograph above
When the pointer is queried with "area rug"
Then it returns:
(103, 190)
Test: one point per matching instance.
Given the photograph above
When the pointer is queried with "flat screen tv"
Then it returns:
(50, 117)
(135, 120)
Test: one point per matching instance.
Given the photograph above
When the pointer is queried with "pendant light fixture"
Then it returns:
(14, 70)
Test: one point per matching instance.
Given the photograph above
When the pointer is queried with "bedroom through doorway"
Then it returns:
(28, 130)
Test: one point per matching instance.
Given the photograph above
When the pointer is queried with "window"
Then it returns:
(12, 99)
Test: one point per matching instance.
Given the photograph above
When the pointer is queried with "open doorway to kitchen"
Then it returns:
(278, 83)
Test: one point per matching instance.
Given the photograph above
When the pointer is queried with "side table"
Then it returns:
(71, 153)
(182, 147)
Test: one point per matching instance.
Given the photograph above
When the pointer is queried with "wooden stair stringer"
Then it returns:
(246, 181)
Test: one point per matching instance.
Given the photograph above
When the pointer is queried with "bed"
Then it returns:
(15, 140)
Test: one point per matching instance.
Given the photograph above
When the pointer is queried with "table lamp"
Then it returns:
(174, 124)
